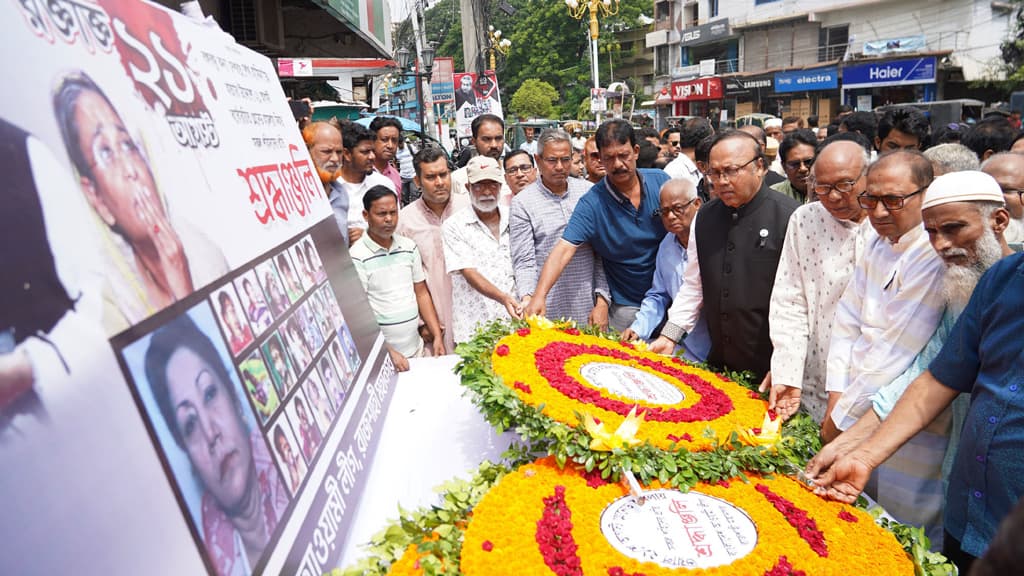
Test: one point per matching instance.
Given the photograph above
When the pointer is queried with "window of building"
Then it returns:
(713, 8)
(832, 42)
(662, 64)
(662, 11)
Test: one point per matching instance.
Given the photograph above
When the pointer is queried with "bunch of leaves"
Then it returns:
(916, 544)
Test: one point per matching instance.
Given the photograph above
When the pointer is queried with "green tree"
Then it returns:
(534, 99)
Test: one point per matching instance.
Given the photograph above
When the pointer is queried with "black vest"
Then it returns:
(739, 252)
(32, 298)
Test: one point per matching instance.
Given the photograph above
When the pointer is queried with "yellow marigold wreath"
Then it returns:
(542, 520)
(557, 367)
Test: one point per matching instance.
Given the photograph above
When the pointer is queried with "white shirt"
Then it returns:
(355, 193)
(816, 265)
(685, 309)
(469, 243)
(461, 177)
(886, 315)
(683, 167)
(529, 147)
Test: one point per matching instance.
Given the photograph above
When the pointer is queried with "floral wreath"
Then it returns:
(542, 519)
(555, 369)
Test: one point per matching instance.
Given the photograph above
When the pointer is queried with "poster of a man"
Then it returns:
(207, 433)
(153, 259)
(475, 95)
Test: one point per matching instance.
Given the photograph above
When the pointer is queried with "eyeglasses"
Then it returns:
(822, 190)
(674, 143)
(796, 164)
(729, 173)
(594, 155)
(891, 202)
(556, 161)
(677, 209)
(522, 168)
(1019, 192)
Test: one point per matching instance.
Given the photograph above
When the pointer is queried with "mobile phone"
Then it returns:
(300, 109)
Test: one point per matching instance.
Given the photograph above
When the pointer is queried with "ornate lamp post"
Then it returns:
(577, 9)
(404, 59)
(496, 45)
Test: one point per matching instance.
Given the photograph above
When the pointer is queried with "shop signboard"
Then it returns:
(200, 382)
(826, 78)
(699, 89)
(705, 33)
(890, 73)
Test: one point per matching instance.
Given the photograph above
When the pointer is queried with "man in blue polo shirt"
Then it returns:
(617, 217)
(982, 356)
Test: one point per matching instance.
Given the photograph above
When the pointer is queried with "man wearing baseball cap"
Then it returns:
(477, 253)
(964, 215)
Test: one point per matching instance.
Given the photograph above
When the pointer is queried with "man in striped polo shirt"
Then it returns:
(391, 271)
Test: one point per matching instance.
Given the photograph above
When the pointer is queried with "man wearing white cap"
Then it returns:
(773, 132)
(965, 218)
(477, 253)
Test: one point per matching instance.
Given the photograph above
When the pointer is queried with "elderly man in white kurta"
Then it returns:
(894, 301)
(824, 241)
(477, 254)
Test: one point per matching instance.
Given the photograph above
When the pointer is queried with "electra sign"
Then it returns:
(891, 73)
(825, 78)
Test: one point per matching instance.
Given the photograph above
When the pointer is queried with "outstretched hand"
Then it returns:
(663, 345)
(785, 400)
(844, 480)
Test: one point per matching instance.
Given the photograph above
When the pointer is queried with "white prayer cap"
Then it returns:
(773, 123)
(965, 186)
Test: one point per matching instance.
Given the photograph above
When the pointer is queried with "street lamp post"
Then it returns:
(496, 44)
(404, 59)
(577, 9)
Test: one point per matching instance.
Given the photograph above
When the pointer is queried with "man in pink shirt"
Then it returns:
(421, 221)
(389, 133)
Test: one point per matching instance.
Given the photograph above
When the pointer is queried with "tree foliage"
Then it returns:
(1013, 48)
(534, 99)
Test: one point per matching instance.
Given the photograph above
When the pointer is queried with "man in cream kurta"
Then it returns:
(894, 301)
(824, 241)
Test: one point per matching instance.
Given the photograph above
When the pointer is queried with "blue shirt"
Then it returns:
(984, 356)
(625, 237)
(668, 277)
(339, 203)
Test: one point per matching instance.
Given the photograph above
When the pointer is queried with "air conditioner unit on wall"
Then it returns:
(257, 24)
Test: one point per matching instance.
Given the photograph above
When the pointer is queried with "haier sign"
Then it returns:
(891, 73)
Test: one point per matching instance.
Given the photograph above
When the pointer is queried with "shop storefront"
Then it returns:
(744, 94)
(698, 97)
(866, 86)
(814, 91)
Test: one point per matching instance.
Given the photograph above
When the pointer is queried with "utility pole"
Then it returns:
(426, 96)
(472, 34)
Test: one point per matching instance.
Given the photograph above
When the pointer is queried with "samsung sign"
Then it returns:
(803, 80)
(891, 73)
(704, 33)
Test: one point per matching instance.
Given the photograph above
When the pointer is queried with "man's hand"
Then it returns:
(401, 362)
(663, 345)
(354, 234)
(785, 400)
(628, 335)
(513, 307)
(437, 347)
(535, 307)
(599, 314)
(845, 480)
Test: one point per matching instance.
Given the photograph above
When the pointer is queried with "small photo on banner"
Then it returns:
(310, 330)
(332, 381)
(292, 284)
(345, 372)
(289, 457)
(282, 370)
(258, 386)
(205, 430)
(236, 328)
(349, 347)
(316, 265)
(273, 287)
(306, 430)
(305, 271)
(337, 318)
(297, 347)
(319, 404)
(254, 302)
(321, 313)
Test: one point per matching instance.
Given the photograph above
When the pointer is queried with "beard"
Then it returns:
(327, 176)
(959, 281)
(485, 204)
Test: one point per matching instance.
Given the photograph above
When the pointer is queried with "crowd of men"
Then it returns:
(868, 278)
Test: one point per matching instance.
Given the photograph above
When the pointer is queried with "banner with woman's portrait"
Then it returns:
(191, 379)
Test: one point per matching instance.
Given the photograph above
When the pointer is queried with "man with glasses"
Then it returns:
(797, 152)
(683, 166)
(592, 159)
(679, 206)
(540, 214)
(616, 218)
(672, 140)
(1008, 170)
(734, 252)
(477, 254)
(894, 301)
(824, 241)
(519, 172)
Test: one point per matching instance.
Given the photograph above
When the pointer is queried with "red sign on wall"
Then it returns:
(699, 89)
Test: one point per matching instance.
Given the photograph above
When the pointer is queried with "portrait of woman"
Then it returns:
(344, 370)
(236, 329)
(276, 297)
(253, 302)
(280, 365)
(319, 403)
(320, 313)
(220, 462)
(291, 281)
(288, 456)
(332, 384)
(302, 267)
(309, 435)
(310, 330)
(337, 319)
(296, 344)
(259, 386)
(315, 265)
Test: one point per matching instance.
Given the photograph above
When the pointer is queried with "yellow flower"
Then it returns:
(769, 432)
(623, 437)
(539, 322)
